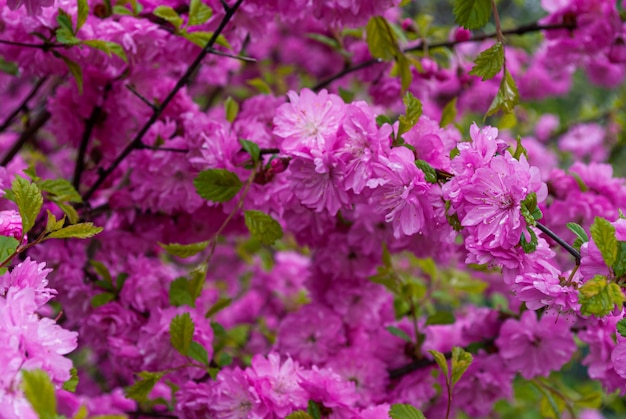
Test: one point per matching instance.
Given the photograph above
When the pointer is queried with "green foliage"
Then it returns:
(429, 173)
(461, 360)
(263, 227)
(299, 414)
(232, 109)
(39, 392)
(8, 246)
(217, 185)
(489, 62)
(76, 231)
(382, 42)
(448, 115)
(581, 234)
(603, 234)
(140, 390)
(399, 333)
(405, 411)
(99, 300)
(83, 12)
(621, 327)
(179, 293)
(184, 250)
(529, 246)
(441, 317)
(219, 305)
(507, 97)
(440, 359)
(29, 201)
(519, 149)
(65, 34)
(169, 14)
(253, 149)
(107, 47)
(198, 353)
(71, 384)
(599, 297)
(59, 190)
(413, 112)
(619, 267)
(472, 14)
(75, 70)
(199, 13)
(181, 333)
(313, 409)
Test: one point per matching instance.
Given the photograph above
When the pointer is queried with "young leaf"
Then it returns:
(598, 297)
(69, 211)
(8, 246)
(252, 149)
(448, 115)
(199, 13)
(224, 360)
(429, 173)
(619, 267)
(217, 185)
(381, 40)
(399, 333)
(29, 201)
(489, 62)
(39, 392)
(71, 384)
(529, 246)
(75, 70)
(621, 327)
(179, 293)
(405, 411)
(184, 250)
(219, 305)
(60, 190)
(169, 14)
(140, 390)
(413, 112)
(440, 359)
(519, 150)
(507, 97)
(83, 12)
(102, 271)
(603, 234)
(198, 353)
(472, 14)
(76, 231)
(313, 409)
(232, 109)
(107, 47)
(260, 85)
(403, 69)
(263, 227)
(461, 361)
(181, 333)
(579, 231)
(440, 317)
(99, 300)
(299, 414)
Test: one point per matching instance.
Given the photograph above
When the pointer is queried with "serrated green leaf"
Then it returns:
(232, 109)
(107, 47)
(529, 246)
(507, 97)
(71, 384)
(140, 390)
(121, 10)
(472, 14)
(489, 62)
(202, 38)
(218, 330)
(102, 271)
(75, 70)
(83, 12)
(65, 37)
(413, 109)
(440, 317)
(403, 69)
(76, 231)
(181, 333)
(263, 227)
(65, 21)
(405, 411)
(39, 392)
(196, 281)
(440, 359)
(179, 293)
(381, 39)
(169, 14)
(579, 231)
(69, 211)
(520, 150)
(619, 267)
(598, 297)
(299, 414)
(382, 120)
(29, 202)
(461, 360)
(260, 85)
(198, 353)
(621, 327)
(603, 234)
(252, 149)
(8, 246)
(99, 300)
(448, 115)
(429, 173)
(60, 190)
(399, 333)
(313, 409)
(199, 13)
(217, 185)
(219, 305)
(185, 250)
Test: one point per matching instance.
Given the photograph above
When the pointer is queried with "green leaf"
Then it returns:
(65, 37)
(39, 392)
(198, 353)
(579, 231)
(107, 47)
(461, 360)
(405, 411)
(69, 211)
(184, 250)
(429, 173)
(232, 109)
(382, 120)
(413, 112)
(169, 14)
(181, 333)
(252, 149)
(619, 267)
(440, 359)
(60, 190)
(403, 69)
(217, 185)
(346, 95)
(29, 201)
(140, 390)
(448, 115)
(83, 12)
(8, 246)
(196, 281)
(299, 414)
(71, 384)
(489, 62)
(179, 293)
(99, 300)
(621, 327)
(472, 14)
(219, 305)
(65, 21)
(263, 227)
(224, 360)
(529, 246)
(381, 40)
(313, 409)
(440, 317)
(76, 231)
(603, 234)
(74, 69)
(598, 297)
(507, 97)
(102, 271)
(260, 85)
(9, 67)
(519, 150)
(399, 333)
(199, 13)
(202, 38)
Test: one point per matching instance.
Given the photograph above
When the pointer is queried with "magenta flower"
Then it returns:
(33, 7)
(11, 224)
(234, 397)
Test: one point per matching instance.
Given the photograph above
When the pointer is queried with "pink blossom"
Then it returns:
(33, 7)
(29, 274)
(233, 396)
(11, 224)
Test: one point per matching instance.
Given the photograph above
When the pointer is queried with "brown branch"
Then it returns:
(136, 142)
(28, 133)
(45, 46)
(23, 104)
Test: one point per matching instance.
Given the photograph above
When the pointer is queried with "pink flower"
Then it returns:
(29, 274)
(535, 347)
(33, 7)
(234, 397)
(11, 224)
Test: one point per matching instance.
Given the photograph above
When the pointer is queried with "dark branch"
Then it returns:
(238, 57)
(157, 148)
(136, 142)
(28, 133)
(44, 47)
(141, 97)
(545, 230)
(23, 104)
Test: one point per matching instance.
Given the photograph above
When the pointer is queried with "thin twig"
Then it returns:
(28, 133)
(23, 104)
(545, 230)
(44, 47)
(141, 97)
(238, 57)
(136, 142)
(157, 148)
